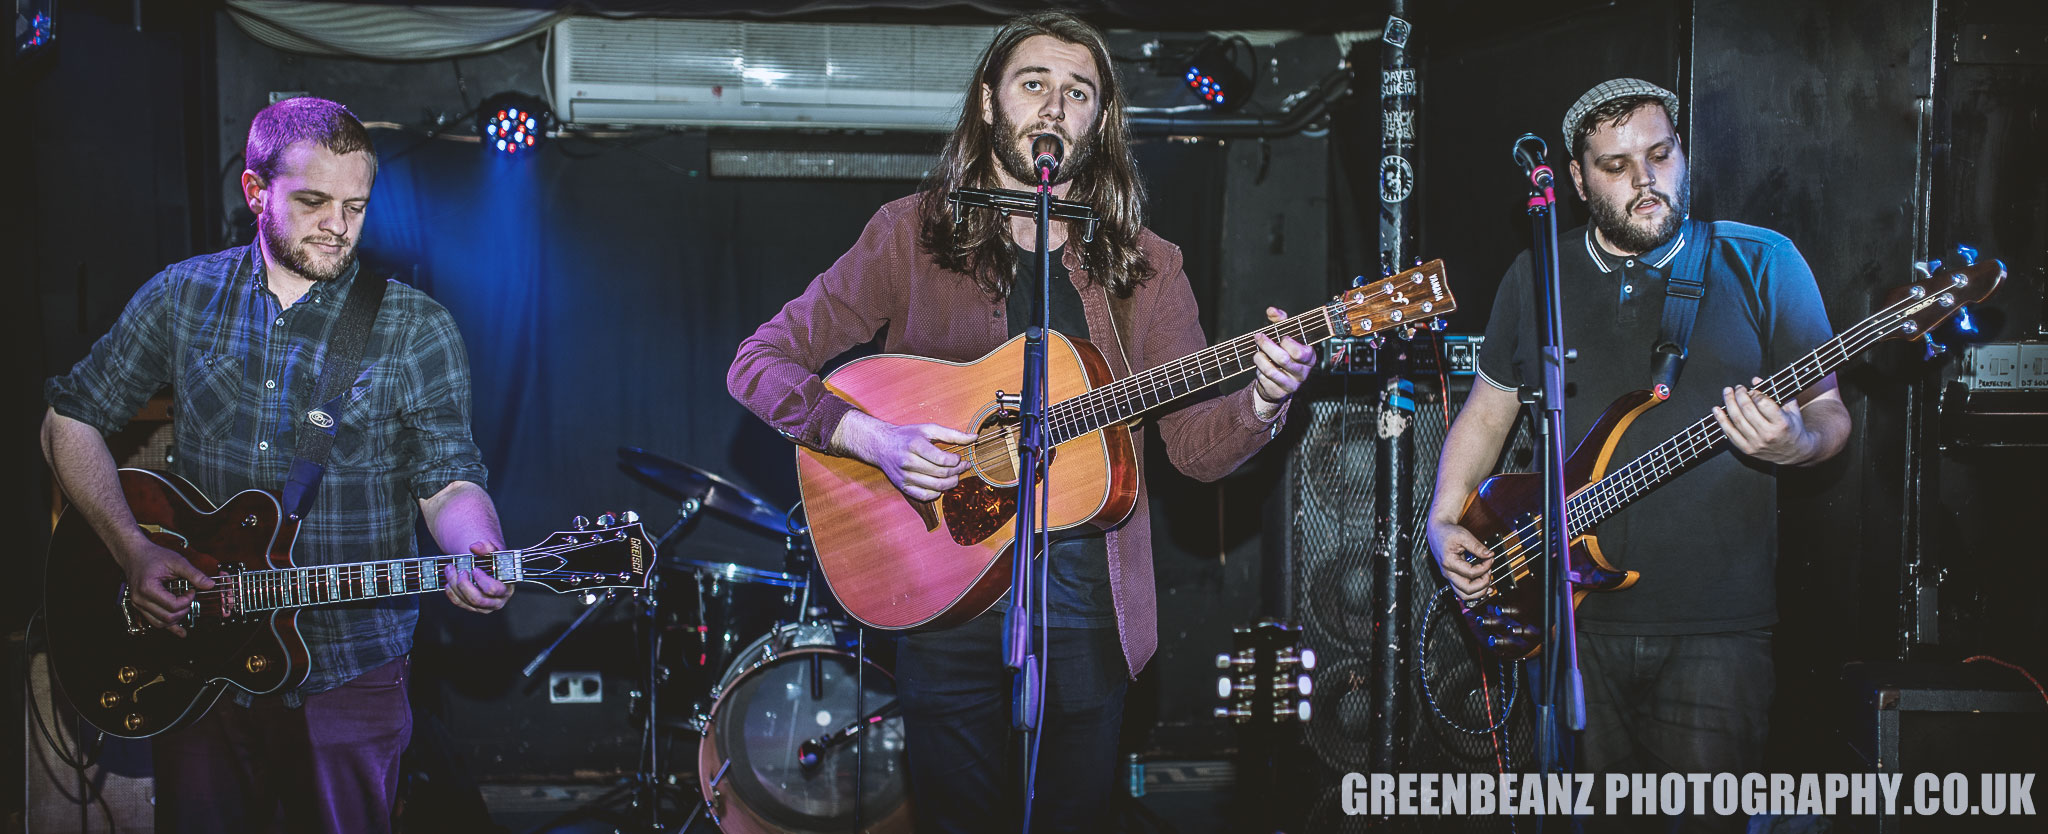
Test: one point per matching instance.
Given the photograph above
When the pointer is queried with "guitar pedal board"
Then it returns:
(1455, 354)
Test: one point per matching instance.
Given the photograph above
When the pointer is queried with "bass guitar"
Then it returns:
(1506, 511)
(895, 563)
(130, 680)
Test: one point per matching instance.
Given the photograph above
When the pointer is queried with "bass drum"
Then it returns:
(787, 688)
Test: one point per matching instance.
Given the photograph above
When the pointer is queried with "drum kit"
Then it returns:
(796, 727)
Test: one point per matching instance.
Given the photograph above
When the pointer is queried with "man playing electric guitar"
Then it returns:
(1678, 667)
(945, 291)
(241, 337)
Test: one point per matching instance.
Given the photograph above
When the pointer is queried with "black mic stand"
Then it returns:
(1561, 685)
(1033, 539)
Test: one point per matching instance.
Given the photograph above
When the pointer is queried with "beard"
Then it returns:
(1010, 143)
(1617, 221)
(300, 256)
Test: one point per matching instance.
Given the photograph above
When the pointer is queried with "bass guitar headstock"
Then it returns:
(1917, 308)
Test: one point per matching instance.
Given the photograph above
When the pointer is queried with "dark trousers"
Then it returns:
(1693, 703)
(329, 766)
(967, 766)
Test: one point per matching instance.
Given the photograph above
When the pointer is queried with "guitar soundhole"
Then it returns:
(974, 510)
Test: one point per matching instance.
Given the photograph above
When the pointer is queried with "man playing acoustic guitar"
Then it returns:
(1678, 667)
(241, 338)
(945, 291)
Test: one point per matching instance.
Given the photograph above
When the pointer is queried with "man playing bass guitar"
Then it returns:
(241, 337)
(1678, 667)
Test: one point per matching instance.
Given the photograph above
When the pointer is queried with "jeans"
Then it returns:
(1692, 703)
(329, 766)
(967, 765)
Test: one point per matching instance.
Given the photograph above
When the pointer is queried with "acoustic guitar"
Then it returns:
(895, 563)
(1506, 511)
(130, 680)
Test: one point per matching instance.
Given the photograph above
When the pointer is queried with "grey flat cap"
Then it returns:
(1608, 91)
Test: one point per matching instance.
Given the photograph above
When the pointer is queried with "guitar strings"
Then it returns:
(1065, 419)
(1522, 545)
(233, 582)
(1091, 410)
(1602, 497)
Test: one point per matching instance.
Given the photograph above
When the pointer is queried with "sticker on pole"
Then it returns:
(1397, 179)
(1396, 33)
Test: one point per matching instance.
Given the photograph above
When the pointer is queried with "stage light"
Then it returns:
(513, 123)
(1213, 75)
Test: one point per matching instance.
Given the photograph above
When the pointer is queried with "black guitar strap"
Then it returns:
(1683, 289)
(344, 363)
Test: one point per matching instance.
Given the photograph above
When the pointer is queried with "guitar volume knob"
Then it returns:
(132, 721)
(108, 700)
(127, 674)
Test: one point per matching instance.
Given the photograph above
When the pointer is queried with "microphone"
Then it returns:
(1047, 150)
(1529, 153)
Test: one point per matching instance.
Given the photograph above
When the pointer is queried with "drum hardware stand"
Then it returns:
(644, 788)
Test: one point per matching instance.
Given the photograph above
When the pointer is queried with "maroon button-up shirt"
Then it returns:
(886, 279)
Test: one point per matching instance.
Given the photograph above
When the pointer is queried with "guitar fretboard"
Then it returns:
(1140, 392)
(266, 590)
(1652, 468)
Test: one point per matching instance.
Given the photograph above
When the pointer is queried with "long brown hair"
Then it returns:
(1108, 182)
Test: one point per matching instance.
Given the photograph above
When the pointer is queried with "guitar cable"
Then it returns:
(90, 792)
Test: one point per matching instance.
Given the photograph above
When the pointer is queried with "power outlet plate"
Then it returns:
(575, 688)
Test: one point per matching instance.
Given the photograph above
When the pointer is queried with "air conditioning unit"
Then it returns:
(745, 74)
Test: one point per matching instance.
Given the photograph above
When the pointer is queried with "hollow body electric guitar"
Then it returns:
(896, 563)
(131, 680)
(1506, 511)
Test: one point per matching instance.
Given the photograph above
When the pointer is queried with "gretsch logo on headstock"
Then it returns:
(638, 564)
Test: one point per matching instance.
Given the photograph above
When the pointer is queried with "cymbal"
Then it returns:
(716, 494)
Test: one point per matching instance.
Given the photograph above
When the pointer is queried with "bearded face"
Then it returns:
(1013, 149)
(309, 212)
(1642, 220)
(1047, 86)
(1633, 177)
(314, 254)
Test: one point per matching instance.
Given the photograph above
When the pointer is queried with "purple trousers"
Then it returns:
(330, 766)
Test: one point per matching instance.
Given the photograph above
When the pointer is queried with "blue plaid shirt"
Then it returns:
(243, 370)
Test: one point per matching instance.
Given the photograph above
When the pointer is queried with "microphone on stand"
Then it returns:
(1529, 153)
(1047, 150)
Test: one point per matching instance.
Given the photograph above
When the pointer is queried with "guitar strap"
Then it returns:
(344, 364)
(1683, 289)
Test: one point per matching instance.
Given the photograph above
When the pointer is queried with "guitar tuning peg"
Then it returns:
(1417, 262)
(607, 520)
(629, 517)
(1407, 332)
(1934, 348)
(1967, 254)
(1358, 281)
(1438, 325)
(1925, 269)
(1376, 341)
(579, 523)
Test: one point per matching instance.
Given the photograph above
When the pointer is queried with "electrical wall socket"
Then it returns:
(2033, 366)
(575, 688)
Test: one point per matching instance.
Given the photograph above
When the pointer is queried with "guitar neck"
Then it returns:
(1141, 392)
(1651, 469)
(266, 590)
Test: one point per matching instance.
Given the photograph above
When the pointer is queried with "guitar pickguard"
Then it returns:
(974, 510)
